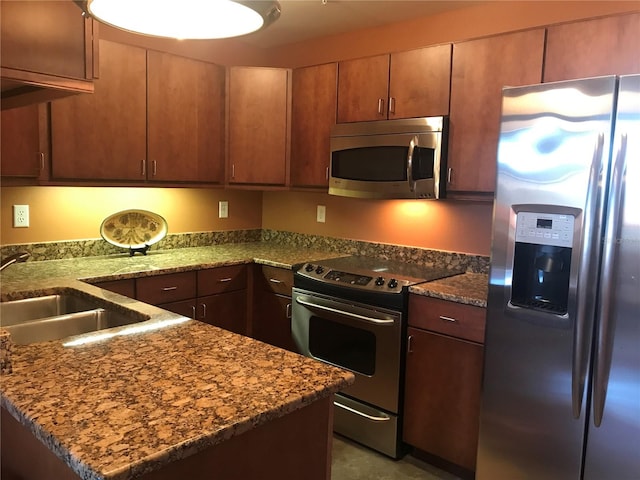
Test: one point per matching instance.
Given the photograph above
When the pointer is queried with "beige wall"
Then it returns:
(437, 224)
(74, 213)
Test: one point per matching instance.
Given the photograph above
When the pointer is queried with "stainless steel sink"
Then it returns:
(53, 317)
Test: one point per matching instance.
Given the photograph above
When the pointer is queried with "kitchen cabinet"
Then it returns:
(258, 122)
(153, 117)
(314, 97)
(217, 296)
(272, 306)
(103, 136)
(185, 119)
(126, 287)
(443, 379)
(46, 51)
(480, 69)
(592, 48)
(413, 83)
(23, 148)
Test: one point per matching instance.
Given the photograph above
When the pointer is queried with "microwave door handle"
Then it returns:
(412, 146)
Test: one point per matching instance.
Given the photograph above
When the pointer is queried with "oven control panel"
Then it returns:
(355, 280)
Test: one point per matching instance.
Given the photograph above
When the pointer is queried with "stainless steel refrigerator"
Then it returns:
(561, 387)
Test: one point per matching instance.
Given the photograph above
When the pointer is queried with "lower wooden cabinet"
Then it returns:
(443, 380)
(272, 306)
(126, 287)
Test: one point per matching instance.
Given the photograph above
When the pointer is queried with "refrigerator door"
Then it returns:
(552, 159)
(613, 446)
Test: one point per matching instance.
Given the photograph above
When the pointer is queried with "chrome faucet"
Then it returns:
(15, 258)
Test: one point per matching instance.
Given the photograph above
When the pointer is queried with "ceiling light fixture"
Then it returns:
(185, 19)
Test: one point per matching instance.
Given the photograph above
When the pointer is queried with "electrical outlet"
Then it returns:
(223, 209)
(20, 216)
(320, 213)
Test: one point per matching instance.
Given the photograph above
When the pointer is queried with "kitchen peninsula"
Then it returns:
(177, 399)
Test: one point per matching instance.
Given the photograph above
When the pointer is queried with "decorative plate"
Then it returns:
(133, 228)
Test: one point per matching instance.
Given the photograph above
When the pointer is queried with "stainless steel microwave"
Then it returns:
(389, 159)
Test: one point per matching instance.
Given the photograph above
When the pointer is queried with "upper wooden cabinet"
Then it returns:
(259, 107)
(153, 117)
(46, 51)
(314, 96)
(103, 136)
(592, 48)
(481, 68)
(23, 149)
(408, 84)
(185, 119)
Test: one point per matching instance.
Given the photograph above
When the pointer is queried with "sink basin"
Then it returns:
(53, 317)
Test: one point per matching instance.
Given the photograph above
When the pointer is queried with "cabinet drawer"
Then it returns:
(277, 280)
(125, 287)
(222, 279)
(172, 287)
(449, 318)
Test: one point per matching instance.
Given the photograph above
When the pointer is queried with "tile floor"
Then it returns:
(352, 461)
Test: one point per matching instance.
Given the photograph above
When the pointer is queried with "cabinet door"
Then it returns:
(419, 82)
(592, 48)
(363, 89)
(186, 308)
(226, 310)
(442, 396)
(258, 103)
(47, 46)
(22, 153)
(480, 69)
(103, 136)
(272, 320)
(221, 280)
(185, 119)
(314, 97)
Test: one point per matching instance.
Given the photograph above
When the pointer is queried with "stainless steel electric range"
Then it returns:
(351, 312)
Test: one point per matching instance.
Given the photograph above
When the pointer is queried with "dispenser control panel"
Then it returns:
(545, 228)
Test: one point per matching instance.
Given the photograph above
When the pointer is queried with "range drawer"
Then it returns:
(449, 318)
(276, 280)
(222, 279)
(171, 287)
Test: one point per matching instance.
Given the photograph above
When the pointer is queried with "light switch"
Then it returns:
(320, 214)
(223, 209)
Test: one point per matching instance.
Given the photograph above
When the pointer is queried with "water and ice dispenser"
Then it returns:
(542, 261)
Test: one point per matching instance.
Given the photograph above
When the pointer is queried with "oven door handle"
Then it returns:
(357, 412)
(377, 321)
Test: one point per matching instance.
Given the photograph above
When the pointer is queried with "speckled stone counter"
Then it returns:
(468, 288)
(124, 406)
(149, 394)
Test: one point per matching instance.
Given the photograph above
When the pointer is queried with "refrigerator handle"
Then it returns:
(590, 239)
(604, 319)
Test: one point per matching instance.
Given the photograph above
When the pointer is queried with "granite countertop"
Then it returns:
(468, 288)
(141, 396)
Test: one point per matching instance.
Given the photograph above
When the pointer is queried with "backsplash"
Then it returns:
(99, 247)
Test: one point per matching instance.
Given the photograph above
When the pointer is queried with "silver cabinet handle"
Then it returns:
(582, 325)
(204, 310)
(449, 174)
(193, 308)
(223, 280)
(233, 170)
(155, 167)
(381, 106)
(326, 174)
(169, 289)
(392, 105)
(409, 341)
(41, 154)
(275, 280)
(346, 314)
(368, 417)
(448, 319)
(289, 310)
(143, 168)
(604, 337)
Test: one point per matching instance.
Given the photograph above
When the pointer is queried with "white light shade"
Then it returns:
(184, 19)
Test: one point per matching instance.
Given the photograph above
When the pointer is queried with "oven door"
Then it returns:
(353, 336)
